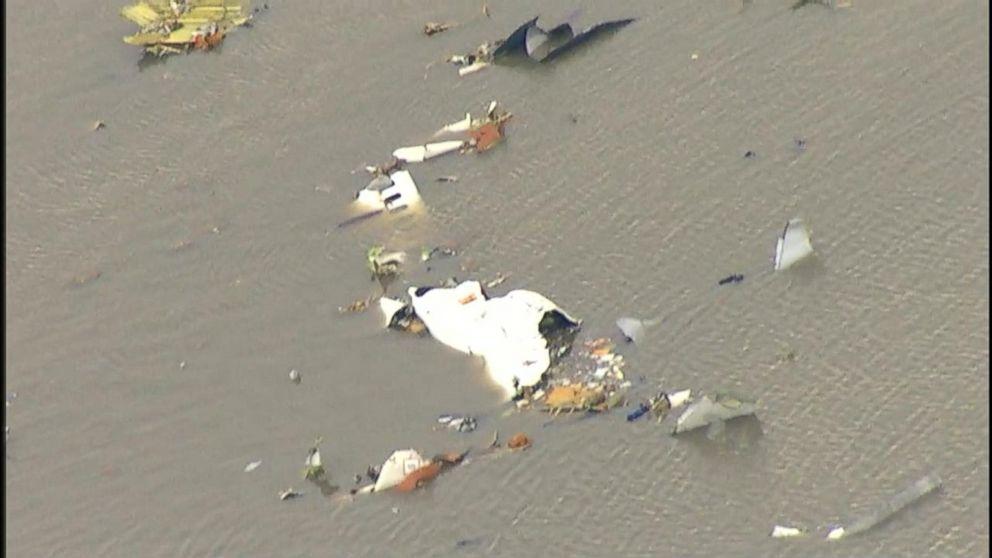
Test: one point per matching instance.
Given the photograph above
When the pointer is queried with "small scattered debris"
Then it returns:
(384, 266)
(9, 398)
(98, 125)
(182, 365)
(500, 278)
(750, 154)
(660, 405)
(294, 376)
(178, 26)
(450, 178)
(781, 532)
(252, 466)
(713, 412)
(432, 28)
(85, 278)
(908, 496)
(519, 441)
(637, 413)
(736, 278)
(800, 144)
(289, 494)
(793, 245)
(427, 254)
(356, 307)
(460, 423)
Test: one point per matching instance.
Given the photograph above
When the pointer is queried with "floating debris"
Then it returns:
(382, 263)
(460, 127)
(793, 246)
(713, 412)
(252, 466)
(519, 335)
(356, 307)
(633, 328)
(736, 278)
(393, 193)
(432, 28)
(750, 154)
(421, 153)
(400, 464)
(294, 376)
(450, 178)
(781, 532)
(637, 413)
(98, 125)
(178, 26)
(908, 496)
(313, 466)
(519, 441)
(289, 494)
(500, 278)
(546, 45)
(460, 423)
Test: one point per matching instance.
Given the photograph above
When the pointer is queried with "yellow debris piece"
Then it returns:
(175, 26)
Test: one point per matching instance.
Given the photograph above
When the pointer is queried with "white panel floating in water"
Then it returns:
(793, 246)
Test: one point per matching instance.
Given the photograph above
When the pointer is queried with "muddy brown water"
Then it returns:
(199, 226)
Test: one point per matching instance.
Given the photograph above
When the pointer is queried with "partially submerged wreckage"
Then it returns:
(519, 334)
(532, 42)
(178, 26)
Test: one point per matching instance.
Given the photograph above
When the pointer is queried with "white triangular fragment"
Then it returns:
(313, 460)
(403, 192)
(793, 246)
(679, 398)
(491, 111)
(472, 68)
(400, 464)
(456, 127)
(632, 329)
(389, 307)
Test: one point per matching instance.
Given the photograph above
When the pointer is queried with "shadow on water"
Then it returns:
(740, 436)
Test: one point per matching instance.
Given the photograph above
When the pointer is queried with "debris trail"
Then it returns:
(913, 493)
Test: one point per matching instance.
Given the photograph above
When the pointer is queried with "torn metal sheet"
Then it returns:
(713, 411)
(519, 335)
(177, 26)
(793, 245)
(546, 45)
